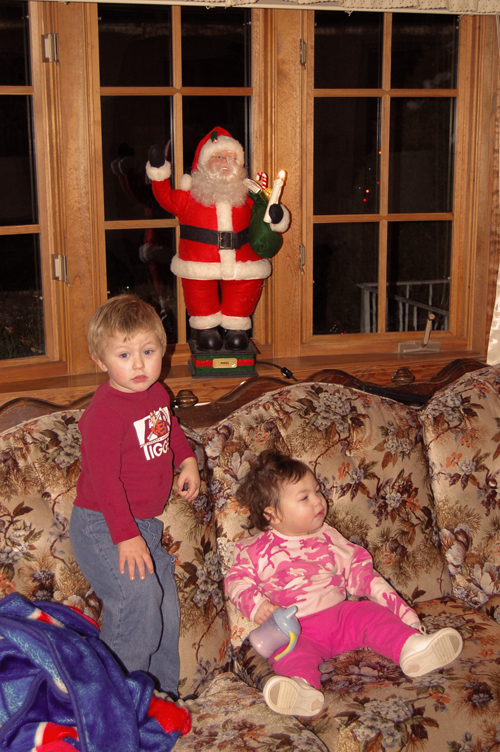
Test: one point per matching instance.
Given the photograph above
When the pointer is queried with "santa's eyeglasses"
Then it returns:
(218, 158)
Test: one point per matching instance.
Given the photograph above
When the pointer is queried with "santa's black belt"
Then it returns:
(225, 241)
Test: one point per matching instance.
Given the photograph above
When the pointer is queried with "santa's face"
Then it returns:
(220, 179)
(224, 162)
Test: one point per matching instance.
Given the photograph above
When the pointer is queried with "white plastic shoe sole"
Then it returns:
(442, 648)
(289, 697)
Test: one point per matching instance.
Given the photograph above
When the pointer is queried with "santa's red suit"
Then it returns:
(221, 275)
(228, 259)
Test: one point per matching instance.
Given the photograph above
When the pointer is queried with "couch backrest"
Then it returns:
(40, 464)
(367, 453)
(461, 431)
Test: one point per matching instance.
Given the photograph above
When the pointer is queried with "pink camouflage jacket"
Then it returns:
(313, 572)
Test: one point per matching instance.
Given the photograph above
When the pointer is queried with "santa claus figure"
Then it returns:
(222, 275)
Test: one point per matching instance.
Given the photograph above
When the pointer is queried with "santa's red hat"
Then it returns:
(218, 139)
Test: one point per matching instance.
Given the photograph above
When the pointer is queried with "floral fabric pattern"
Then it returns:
(367, 454)
(419, 489)
(230, 716)
(461, 429)
(39, 468)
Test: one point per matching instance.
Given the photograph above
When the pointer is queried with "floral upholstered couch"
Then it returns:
(419, 488)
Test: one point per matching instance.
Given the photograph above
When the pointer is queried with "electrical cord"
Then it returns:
(284, 371)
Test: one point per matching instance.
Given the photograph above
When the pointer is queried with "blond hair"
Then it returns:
(127, 315)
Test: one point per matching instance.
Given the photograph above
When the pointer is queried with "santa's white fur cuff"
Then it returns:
(159, 173)
(285, 222)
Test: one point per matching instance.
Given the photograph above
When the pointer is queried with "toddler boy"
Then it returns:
(130, 441)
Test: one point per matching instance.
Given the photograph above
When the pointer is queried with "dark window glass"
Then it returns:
(421, 155)
(215, 47)
(345, 278)
(346, 155)
(130, 125)
(424, 51)
(138, 261)
(135, 47)
(418, 275)
(201, 114)
(14, 44)
(17, 171)
(347, 50)
(21, 304)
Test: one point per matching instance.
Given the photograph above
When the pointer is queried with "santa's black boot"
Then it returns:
(209, 340)
(236, 339)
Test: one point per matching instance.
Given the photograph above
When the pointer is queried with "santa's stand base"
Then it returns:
(222, 363)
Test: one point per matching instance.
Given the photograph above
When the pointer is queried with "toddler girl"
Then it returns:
(297, 559)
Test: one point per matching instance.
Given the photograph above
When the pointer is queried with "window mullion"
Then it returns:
(178, 148)
(385, 120)
(45, 112)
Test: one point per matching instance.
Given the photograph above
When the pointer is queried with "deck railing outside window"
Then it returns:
(410, 312)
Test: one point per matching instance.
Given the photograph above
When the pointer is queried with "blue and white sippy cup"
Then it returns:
(281, 628)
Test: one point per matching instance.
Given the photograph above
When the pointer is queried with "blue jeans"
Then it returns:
(141, 618)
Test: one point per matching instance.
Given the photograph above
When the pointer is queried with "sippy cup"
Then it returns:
(280, 628)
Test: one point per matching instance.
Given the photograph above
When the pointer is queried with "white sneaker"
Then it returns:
(423, 653)
(293, 696)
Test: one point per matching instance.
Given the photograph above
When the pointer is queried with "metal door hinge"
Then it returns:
(50, 48)
(302, 258)
(303, 53)
(60, 268)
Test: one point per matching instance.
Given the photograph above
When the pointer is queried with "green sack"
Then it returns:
(264, 241)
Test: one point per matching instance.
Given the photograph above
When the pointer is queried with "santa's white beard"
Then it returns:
(211, 187)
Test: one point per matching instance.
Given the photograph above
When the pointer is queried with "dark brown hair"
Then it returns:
(261, 487)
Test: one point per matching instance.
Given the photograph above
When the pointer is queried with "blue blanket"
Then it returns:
(61, 689)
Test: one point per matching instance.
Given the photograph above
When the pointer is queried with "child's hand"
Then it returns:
(134, 551)
(264, 611)
(189, 477)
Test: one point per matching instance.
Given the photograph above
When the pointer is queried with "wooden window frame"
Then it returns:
(69, 166)
(385, 95)
(178, 352)
(53, 361)
(475, 241)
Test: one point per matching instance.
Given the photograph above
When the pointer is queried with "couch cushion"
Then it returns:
(377, 707)
(367, 454)
(230, 715)
(461, 429)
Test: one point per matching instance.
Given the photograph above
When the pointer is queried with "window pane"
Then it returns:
(424, 51)
(135, 46)
(418, 275)
(14, 50)
(215, 47)
(138, 261)
(21, 304)
(130, 125)
(201, 114)
(347, 50)
(345, 278)
(346, 155)
(17, 199)
(421, 155)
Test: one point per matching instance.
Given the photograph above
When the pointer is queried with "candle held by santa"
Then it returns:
(275, 194)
